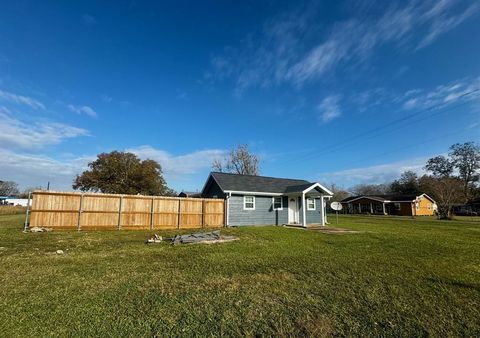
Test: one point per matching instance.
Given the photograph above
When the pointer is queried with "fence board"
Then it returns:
(61, 210)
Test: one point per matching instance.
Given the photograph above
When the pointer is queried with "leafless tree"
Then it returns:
(370, 189)
(446, 191)
(238, 161)
(8, 188)
(338, 192)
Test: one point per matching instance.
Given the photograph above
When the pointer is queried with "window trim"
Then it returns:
(245, 202)
(281, 202)
(308, 204)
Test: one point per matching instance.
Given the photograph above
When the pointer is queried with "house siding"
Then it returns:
(425, 207)
(313, 216)
(262, 215)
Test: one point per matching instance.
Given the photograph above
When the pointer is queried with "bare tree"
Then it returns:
(338, 192)
(8, 188)
(238, 161)
(370, 189)
(446, 191)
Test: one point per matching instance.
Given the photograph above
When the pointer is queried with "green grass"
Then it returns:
(398, 277)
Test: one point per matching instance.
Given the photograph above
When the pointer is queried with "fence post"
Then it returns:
(120, 213)
(27, 224)
(80, 209)
(203, 213)
(178, 220)
(151, 214)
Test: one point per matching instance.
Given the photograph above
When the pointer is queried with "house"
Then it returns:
(260, 200)
(402, 205)
(190, 194)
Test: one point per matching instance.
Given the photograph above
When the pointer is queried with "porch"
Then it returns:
(307, 205)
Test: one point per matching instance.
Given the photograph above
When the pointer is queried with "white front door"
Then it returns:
(293, 216)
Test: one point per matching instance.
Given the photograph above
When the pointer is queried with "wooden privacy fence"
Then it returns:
(89, 211)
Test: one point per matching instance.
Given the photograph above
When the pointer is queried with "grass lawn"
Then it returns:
(398, 277)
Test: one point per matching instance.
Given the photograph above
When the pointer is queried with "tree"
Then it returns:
(122, 173)
(8, 188)
(406, 184)
(238, 161)
(338, 193)
(446, 191)
(466, 159)
(440, 166)
(370, 189)
(24, 193)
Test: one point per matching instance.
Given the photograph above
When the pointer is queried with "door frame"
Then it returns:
(293, 210)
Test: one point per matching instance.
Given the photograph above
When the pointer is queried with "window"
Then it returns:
(310, 204)
(397, 206)
(278, 203)
(248, 202)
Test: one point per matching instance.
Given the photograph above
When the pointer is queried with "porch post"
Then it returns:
(371, 207)
(322, 205)
(383, 204)
(304, 213)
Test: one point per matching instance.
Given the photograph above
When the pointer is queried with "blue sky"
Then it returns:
(339, 92)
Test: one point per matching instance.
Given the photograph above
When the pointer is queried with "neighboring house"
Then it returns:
(402, 205)
(190, 194)
(260, 200)
(10, 200)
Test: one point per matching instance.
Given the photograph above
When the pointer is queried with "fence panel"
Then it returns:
(60, 210)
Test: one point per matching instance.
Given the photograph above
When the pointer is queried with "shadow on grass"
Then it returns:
(454, 282)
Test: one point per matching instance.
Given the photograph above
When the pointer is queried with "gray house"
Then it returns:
(260, 200)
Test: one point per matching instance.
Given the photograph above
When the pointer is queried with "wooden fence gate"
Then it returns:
(90, 211)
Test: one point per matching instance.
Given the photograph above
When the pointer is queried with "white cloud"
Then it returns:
(440, 96)
(180, 164)
(280, 54)
(27, 169)
(30, 170)
(442, 22)
(373, 174)
(17, 134)
(20, 99)
(83, 110)
(329, 109)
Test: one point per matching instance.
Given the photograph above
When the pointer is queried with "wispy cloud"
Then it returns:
(88, 20)
(83, 110)
(17, 134)
(442, 95)
(329, 108)
(175, 165)
(31, 170)
(280, 53)
(443, 22)
(20, 99)
(373, 174)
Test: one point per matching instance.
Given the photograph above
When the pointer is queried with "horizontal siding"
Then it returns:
(313, 216)
(262, 215)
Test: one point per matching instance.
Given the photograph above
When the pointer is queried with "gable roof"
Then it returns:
(251, 183)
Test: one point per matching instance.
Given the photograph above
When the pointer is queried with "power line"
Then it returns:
(395, 124)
